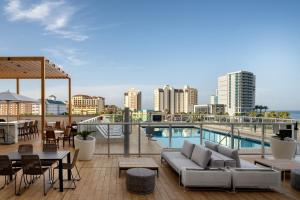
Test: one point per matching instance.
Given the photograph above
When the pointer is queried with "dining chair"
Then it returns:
(57, 125)
(70, 166)
(35, 127)
(8, 171)
(22, 149)
(49, 148)
(50, 137)
(23, 131)
(32, 167)
(66, 136)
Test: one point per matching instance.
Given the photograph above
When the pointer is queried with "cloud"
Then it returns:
(69, 56)
(54, 16)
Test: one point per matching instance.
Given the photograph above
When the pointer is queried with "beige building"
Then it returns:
(190, 98)
(171, 100)
(87, 105)
(133, 99)
(13, 108)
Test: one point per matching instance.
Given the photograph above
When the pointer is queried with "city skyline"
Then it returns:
(113, 46)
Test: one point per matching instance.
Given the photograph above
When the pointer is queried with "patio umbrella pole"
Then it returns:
(7, 122)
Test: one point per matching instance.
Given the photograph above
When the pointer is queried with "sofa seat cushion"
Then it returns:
(211, 145)
(187, 149)
(248, 165)
(178, 161)
(231, 153)
(201, 156)
(216, 162)
(228, 162)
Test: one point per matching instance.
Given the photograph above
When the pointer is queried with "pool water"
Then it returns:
(193, 135)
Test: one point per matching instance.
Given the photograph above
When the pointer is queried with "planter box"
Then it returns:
(86, 147)
(283, 149)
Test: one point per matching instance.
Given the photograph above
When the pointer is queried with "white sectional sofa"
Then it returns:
(214, 165)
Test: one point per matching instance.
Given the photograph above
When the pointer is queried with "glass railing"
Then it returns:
(148, 138)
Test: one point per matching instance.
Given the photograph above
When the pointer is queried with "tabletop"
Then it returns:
(59, 155)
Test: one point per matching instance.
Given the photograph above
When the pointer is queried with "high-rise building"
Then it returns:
(133, 99)
(213, 99)
(171, 100)
(190, 98)
(158, 99)
(87, 105)
(236, 91)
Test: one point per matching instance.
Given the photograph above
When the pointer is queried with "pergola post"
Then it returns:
(18, 92)
(70, 103)
(43, 97)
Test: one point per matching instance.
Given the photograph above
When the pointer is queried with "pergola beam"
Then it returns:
(69, 101)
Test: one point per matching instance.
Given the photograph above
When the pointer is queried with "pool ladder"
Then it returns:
(229, 133)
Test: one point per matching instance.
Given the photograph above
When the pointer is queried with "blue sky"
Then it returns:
(109, 46)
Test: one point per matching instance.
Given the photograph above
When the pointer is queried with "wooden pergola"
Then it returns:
(35, 67)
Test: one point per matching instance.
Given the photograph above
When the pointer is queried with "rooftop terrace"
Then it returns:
(100, 180)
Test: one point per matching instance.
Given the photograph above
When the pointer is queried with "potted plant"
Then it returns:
(282, 145)
(86, 144)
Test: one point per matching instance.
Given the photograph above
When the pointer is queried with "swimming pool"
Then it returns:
(193, 135)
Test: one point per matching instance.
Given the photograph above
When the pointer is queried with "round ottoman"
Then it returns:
(295, 179)
(140, 180)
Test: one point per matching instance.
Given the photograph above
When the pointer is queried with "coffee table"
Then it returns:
(128, 163)
(282, 165)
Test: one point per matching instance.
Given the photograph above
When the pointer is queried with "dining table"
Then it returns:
(54, 156)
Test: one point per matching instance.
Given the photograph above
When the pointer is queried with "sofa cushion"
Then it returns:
(216, 162)
(248, 165)
(187, 148)
(178, 161)
(231, 153)
(228, 162)
(211, 145)
(201, 156)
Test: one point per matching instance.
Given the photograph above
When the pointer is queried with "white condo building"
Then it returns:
(236, 91)
(171, 100)
(133, 99)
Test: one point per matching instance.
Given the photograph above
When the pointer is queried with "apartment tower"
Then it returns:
(171, 100)
(236, 90)
(133, 99)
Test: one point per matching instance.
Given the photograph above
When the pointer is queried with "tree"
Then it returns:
(284, 115)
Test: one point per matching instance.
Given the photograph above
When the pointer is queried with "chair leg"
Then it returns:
(21, 183)
(16, 184)
(77, 174)
(5, 183)
(44, 183)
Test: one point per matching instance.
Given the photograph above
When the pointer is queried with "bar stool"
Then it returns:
(2, 134)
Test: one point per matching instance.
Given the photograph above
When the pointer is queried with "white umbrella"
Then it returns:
(10, 97)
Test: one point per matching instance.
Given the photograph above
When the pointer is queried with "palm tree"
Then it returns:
(265, 108)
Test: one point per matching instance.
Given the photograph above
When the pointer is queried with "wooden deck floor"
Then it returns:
(100, 181)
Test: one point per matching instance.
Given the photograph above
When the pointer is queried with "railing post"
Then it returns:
(139, 138)
(294, 136)
(108, 140)
(263, 141)
(126, 132)
(232, 136)
(170, 136)
(201, 135)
